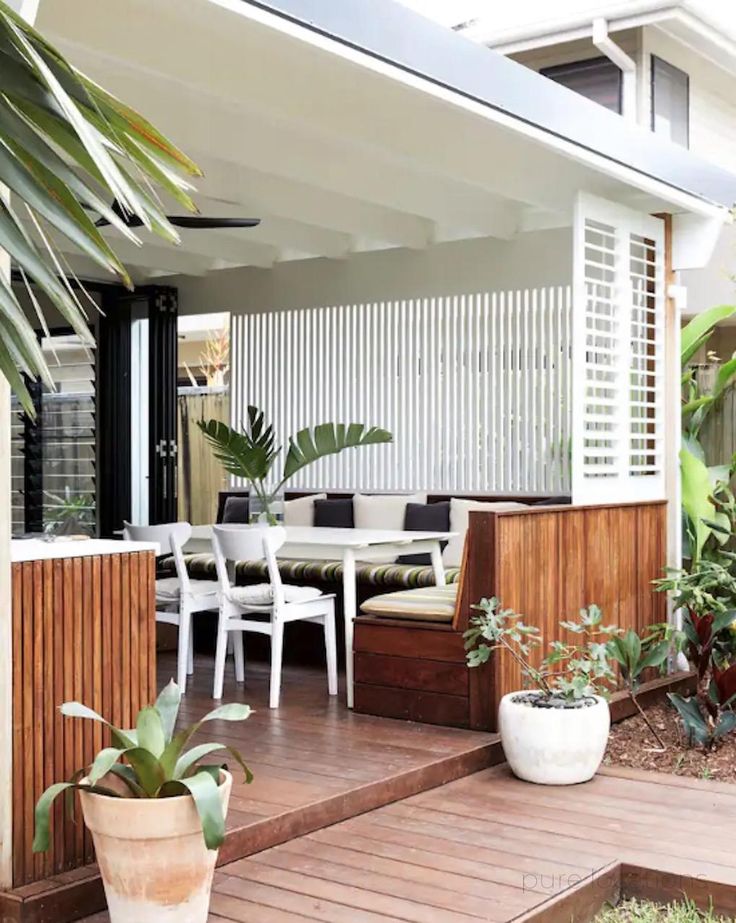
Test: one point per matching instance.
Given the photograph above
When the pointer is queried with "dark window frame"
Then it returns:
(653, 58)
(555, 70)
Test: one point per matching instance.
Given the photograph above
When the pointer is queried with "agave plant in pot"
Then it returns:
(555, 732)
(251, 455)
(155, 811)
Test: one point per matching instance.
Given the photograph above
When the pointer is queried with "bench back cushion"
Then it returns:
(460, 509)
(383, 511)
(425, 517)
(300, 512)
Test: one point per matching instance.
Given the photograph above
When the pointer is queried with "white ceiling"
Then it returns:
(336, 157)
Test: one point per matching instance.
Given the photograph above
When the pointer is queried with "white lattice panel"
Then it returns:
(475, 388)
(618, 354)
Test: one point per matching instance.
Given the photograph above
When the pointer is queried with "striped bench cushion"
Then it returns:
(428, 604)
(202, 567)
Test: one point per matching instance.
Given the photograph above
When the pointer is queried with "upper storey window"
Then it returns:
(597, 78)
(670, 102)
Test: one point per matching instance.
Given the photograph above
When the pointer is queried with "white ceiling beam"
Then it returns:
(306, 203)
(350, 165)
(165, 259)
(236, 248)
(274, 231)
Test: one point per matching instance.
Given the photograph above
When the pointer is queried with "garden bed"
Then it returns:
(631, 744)
(623, 893)
(638, 911)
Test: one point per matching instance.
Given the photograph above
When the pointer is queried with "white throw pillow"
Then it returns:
(383, 511)
(452, 556)
(300, 512)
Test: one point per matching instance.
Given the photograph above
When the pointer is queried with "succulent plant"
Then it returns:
(150, 761)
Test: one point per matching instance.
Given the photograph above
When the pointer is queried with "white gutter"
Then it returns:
(554, 31)
(615, 53)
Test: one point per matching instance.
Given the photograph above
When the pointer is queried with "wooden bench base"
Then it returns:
(414, 671)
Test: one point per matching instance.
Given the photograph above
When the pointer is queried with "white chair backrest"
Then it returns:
(248, 543)
(169, 535)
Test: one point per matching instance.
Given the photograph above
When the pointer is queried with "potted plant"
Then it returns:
(155, 811)
(250, 455)
(555, 732)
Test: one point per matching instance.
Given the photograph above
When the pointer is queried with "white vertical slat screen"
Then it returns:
(618, 354)
(474, 388)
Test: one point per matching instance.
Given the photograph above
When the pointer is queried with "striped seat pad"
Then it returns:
(427, 604)
(202, 567)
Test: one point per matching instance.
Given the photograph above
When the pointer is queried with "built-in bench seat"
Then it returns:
(202, 567)
(545, 563)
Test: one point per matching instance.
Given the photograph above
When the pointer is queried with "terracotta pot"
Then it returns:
(553, 746)
(152, 857)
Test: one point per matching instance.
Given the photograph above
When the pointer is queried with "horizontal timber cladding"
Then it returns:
(475, 388)
(548, 563)
(83, 629)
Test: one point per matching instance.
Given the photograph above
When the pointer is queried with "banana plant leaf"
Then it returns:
(309, 445)
(696, 333)
(696, 499)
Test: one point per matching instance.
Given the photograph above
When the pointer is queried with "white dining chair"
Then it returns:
(179, 597)
(275, 602)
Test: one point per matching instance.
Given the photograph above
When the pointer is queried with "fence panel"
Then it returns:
(474, 388)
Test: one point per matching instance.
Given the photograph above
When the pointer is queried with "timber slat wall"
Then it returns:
(83, 628)
(547, 563)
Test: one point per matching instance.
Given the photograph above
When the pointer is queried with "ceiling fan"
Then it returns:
(200, 222)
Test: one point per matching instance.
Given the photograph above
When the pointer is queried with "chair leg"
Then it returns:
(182, 658)
(190, 655)
(237, 639)
(277, 649)
(331, 650)
(220, 654)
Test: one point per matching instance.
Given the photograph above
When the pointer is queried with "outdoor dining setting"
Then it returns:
(367, 545)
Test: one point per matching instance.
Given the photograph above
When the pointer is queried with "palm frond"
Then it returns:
(67, 145)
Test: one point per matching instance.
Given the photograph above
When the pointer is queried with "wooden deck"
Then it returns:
(486, 847)
(315, 763)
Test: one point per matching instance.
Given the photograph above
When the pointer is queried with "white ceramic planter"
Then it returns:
(152, 858)
(553, 746)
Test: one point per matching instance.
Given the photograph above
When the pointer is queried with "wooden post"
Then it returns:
(672, 411)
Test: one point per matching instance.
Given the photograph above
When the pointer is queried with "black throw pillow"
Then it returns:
(553, 501)
(425, 517)
(335, 514)
(235, 510)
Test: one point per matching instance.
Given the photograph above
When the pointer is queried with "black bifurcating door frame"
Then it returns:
(162, 376)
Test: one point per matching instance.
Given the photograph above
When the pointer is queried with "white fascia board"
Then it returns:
(676, 198)
(579, 24)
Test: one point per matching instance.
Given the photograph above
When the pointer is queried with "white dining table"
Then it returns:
(348, 546)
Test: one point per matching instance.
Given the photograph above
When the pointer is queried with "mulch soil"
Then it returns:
(632, 744)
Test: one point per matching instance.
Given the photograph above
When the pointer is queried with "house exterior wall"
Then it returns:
(530, 260)
(712, 90)
(712, 130)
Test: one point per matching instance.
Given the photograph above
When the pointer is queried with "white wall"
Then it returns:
(714, 285)
(537, 258)
(712, 98)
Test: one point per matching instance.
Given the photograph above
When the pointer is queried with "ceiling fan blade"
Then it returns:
(181, 221)
(131, 221)
(200, 221)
